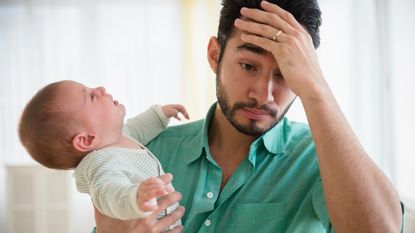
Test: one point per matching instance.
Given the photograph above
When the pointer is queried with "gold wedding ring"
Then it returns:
(276, 35)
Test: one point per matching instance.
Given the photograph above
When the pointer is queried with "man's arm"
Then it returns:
(358, 195)
(150, 224)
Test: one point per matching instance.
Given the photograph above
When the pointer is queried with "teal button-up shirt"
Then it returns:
(277, 188)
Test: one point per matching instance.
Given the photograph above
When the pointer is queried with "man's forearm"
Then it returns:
(359, 197)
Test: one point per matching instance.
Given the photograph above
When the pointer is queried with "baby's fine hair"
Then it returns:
(44, 130)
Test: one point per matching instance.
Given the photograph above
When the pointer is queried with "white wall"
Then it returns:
(82, 215)
(402, 36)
(133, 48)
(409, 221)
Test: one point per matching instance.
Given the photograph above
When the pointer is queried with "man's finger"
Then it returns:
(264, 43)
(170, 219)
(155, 192)
(176, 229)
(283, 14)
(254, 28)
(169, 200)
(267, 18)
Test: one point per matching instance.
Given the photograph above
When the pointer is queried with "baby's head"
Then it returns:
(66, 120)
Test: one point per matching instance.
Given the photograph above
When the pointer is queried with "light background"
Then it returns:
(147, 52)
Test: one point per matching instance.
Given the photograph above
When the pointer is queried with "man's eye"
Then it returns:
(247, 67)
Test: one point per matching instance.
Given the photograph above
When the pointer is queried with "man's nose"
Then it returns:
(263, 90)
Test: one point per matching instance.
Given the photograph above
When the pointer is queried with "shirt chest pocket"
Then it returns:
(259, 217)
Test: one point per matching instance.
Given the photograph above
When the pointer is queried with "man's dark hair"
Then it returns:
(306, 12)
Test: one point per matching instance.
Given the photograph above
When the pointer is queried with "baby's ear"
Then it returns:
(85, 142)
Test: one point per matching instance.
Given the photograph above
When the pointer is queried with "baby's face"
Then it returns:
(92, 109)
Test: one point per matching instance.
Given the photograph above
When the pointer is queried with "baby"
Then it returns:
(67, 125)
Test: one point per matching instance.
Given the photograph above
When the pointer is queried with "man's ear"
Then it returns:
(85, 142)
(213, 52)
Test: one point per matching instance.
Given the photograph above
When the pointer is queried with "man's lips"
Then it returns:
(256, 111)
(255, 114)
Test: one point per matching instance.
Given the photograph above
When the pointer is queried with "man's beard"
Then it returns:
(251, 128)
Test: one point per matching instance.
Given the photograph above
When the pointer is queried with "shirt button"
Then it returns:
(207, 222)
(209, 195)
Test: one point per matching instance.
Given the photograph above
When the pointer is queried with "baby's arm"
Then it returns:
(147, 125)
(112, 191)
(131, 201)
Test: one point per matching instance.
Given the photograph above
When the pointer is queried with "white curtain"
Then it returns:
(351, 62)
(143, 52)
(133, 48)
(368, 55)
(402, 65)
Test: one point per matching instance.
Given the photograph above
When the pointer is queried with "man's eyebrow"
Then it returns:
(252, 48)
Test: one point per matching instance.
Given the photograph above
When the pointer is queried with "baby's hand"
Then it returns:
(152, 188)
(173, 110)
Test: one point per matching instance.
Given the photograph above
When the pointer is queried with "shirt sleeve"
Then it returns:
(111, 190)
(147, 125)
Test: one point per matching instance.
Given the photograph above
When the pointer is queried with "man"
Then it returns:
(246, 168)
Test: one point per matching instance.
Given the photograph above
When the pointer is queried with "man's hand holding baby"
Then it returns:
(151, 189)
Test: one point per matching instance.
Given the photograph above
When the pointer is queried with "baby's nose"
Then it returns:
(101, 90)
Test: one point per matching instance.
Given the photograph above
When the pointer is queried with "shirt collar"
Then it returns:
(201, 139)
(273, 140)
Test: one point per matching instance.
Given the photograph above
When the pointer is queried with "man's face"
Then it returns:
(251, 92)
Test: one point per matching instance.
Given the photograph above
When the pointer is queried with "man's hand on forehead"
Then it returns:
(277, 31)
